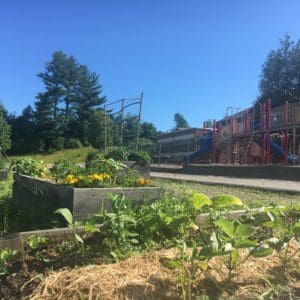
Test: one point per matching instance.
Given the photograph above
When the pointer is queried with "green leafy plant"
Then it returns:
(190, 264)
(35, 242)
(283, 226)
(37, 245)
(108, 166)
(62, 168)
(28, 166)
(118, 226)
(231, 236)
(141, 157)
(118, 153)
(68, 217)
(92, 156)
(6, 256)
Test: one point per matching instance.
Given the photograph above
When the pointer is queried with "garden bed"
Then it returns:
(37, 199)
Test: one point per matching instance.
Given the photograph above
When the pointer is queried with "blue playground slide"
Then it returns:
(206, 146)
(280, 152)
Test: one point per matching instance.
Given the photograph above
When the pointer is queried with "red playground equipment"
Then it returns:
(258, 135)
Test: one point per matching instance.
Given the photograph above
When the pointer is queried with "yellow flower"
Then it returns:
(70, 179)
(140, 181)
(98, 177)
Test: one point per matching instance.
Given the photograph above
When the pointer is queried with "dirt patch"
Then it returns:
(145, 277)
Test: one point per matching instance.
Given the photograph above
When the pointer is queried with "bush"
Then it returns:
(119, 153)
(59, 143)
(141, 157)
(92, 156)
(28, 166)
(73, 144)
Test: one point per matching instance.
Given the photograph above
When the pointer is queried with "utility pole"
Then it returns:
(105, 129)
(122, 121)
(139, 123)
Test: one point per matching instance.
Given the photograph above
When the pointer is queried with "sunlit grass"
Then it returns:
(73, 155)
(251, 197)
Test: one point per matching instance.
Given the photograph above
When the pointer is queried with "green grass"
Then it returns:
(251, 197)
(73, 155)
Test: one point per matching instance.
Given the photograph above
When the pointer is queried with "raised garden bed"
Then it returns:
(37, 199)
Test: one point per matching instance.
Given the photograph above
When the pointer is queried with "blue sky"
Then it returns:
(193, 57)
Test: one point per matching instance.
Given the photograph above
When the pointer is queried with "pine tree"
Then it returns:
(72, 93)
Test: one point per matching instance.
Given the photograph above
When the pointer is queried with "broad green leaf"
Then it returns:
(209, 252)
(262, 252)
(226, 225)
(65, 212)
(171, 263)
(203, 265)
(134, 241)
(225, 201)
(246, 244)
(91, 228)
(270, 224)
(78, 238)
(199, 200)
(244, 231)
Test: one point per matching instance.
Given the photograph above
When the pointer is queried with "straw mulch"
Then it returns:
(145, 277)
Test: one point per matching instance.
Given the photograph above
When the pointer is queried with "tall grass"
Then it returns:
(73, 155)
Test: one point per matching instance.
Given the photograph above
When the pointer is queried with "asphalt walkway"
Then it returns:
(263, 184)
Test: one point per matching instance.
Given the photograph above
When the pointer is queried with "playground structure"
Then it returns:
(258, 135)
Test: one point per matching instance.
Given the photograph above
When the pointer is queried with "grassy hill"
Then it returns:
(74, 155)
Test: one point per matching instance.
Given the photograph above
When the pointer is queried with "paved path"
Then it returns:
(264, 184)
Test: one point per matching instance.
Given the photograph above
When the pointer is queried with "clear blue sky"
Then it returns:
(193, 57)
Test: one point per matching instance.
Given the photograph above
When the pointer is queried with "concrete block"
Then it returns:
(37, 199)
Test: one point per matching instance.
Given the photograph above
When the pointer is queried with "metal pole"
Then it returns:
(139, 123)
(263, 147)
(286, 136)
(214, 143)
(105, 129)
(269, 132)
(122, 127)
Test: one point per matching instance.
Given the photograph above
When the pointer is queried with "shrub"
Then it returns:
(28, 166)
(93, 155)
(119, 153)
(73, 144)
(59, 143)
(141, 157)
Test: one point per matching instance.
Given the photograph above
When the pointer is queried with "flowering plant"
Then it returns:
(92, 180)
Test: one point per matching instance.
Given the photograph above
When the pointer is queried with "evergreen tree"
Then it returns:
(180, 121)
(280, 78)
(24, 137)
(5, 132)
(72, 93)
